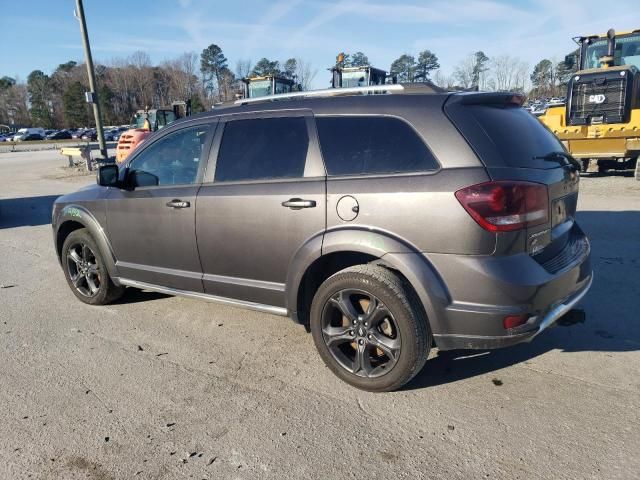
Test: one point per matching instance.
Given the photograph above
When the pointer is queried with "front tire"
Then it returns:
(370, 328)
(85, 270)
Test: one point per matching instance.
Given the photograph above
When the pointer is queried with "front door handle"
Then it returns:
(175, 203)
(298, 203)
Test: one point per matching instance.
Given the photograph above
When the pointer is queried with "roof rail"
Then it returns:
(329, 92)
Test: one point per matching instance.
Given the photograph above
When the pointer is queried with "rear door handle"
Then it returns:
(298, 203)
(175, 203)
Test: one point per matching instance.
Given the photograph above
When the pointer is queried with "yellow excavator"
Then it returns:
(601, 119)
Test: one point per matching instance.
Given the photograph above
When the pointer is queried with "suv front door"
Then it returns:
(151, 223)
(264, 200)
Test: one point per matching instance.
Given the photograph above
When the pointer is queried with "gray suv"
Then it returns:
(387, 224)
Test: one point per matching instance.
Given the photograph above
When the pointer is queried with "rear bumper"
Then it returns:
(532, 328)
(483, 291)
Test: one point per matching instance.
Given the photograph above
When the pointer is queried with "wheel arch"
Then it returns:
(321, 257)
(75, 217)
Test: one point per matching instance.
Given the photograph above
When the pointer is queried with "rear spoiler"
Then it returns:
(488, 98)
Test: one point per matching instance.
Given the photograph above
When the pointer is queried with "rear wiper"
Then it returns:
(557, 157)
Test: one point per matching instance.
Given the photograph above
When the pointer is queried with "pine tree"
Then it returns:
(404, 68)
(427, 62)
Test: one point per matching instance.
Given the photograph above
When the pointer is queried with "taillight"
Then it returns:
(513, 321)
(505, 205)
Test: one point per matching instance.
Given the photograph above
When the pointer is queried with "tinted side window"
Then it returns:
(172, 160)
(368, 145)
(263, 148)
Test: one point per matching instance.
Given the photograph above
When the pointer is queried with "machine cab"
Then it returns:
(363, 76)
(267, 85)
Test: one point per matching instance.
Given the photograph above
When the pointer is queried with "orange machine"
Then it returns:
(146, 122)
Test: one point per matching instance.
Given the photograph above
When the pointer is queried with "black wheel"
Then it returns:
(370, 328)
(85, 270)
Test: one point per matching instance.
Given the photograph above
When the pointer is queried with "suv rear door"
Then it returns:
(264, 196)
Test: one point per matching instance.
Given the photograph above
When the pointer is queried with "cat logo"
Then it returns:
(597, 99)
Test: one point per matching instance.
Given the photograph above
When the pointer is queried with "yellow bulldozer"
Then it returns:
(601, 119)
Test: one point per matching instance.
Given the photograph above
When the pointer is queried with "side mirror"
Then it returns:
(107, 175)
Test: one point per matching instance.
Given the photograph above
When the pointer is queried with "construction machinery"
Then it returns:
(601, 119)
(267, 85)
(147, 121)
(360, 76)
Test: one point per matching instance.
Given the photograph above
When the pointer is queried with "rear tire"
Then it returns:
(85, 270)
(370, 328)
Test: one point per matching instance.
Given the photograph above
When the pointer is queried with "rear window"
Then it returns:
(516, 136)
(361, 145)
(262, 149)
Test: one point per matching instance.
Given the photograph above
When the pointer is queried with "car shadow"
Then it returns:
(609, 173)
(135, 295)
(612, 323)
(26, 211)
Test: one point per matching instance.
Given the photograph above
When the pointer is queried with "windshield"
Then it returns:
(627, 51)
(354, 79)
(141, 117)
(259, 88)
(282, 87)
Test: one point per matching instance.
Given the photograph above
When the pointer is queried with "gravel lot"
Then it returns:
(157, 387)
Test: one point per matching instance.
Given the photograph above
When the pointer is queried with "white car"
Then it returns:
(25, 132)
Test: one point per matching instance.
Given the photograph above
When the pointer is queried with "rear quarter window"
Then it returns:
(361, 145)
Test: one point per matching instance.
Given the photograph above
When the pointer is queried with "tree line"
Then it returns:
(128, 84)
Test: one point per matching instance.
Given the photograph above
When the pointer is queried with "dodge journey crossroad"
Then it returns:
(386, 222)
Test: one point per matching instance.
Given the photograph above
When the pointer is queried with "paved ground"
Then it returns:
(166, 388)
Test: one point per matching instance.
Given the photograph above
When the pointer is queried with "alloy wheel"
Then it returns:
(361, 333)
(83, 269)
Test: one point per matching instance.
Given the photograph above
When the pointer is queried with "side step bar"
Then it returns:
(204, 296)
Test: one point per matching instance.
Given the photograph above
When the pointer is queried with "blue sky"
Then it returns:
(43, 34)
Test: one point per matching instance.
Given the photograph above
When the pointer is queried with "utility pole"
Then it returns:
(92, 96)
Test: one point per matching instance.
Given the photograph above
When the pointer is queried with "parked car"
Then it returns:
(386, 224)
(6, 137)
(78, 133)
(59, 135)
(33, 133)
(112, 135)
(89, 135)
(31, 136)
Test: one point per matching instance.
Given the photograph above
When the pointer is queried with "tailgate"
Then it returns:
(511, 143)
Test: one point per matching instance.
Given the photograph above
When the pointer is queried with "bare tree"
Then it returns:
(243, 68)
(442, 80)
(464, 72)
(14, 103)
(305, 73)
(508, 73)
